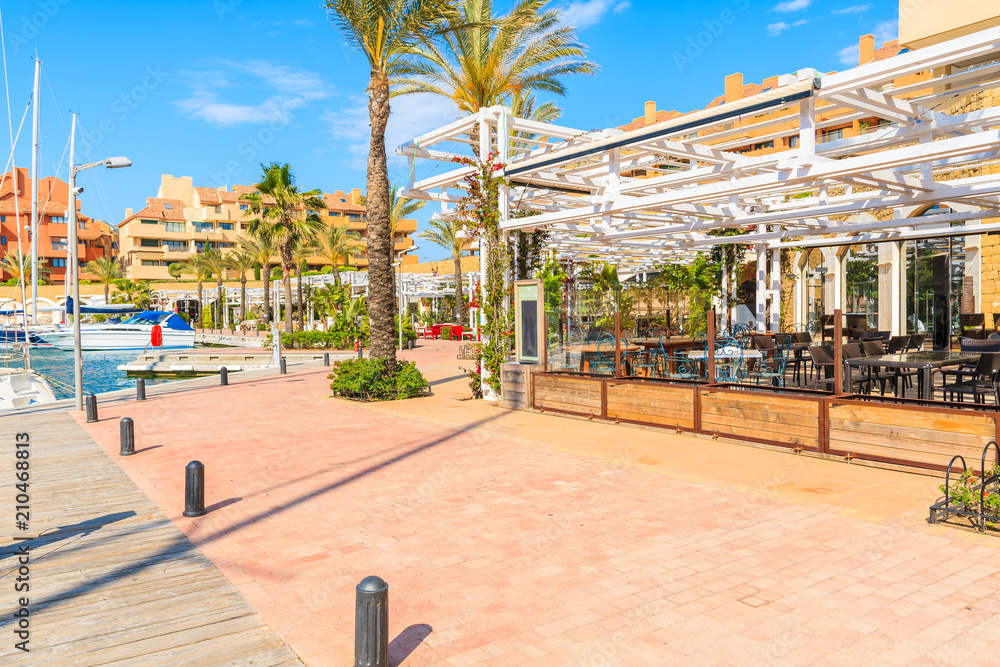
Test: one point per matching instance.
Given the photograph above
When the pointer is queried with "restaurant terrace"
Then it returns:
(910, 379)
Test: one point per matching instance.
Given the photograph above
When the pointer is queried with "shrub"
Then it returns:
(326, 270)
(370, 380)
(317, 340)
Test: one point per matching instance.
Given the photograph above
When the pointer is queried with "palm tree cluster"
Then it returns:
(458, 50)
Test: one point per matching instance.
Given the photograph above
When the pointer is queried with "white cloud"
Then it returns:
(584, 13)
(775, 29)
(412, 115)
(791, 6)
(849, 55)
(886, 31)
(853, 9)
(291, 88)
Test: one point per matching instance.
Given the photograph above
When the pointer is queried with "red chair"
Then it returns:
(435, 330)
(456, 332)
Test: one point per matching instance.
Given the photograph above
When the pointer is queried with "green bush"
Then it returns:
(326, 270)
(369, 379)
(317, 340)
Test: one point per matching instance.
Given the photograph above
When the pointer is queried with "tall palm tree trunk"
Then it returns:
(267, 293)
(201, 312)
(302, 305)
(459, 294)
(381, 286)
(107, 290)
(287, 266)
(243, 298)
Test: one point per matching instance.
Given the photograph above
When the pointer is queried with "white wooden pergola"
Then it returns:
(580, 184)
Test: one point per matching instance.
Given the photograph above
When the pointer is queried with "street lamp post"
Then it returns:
(74, 276)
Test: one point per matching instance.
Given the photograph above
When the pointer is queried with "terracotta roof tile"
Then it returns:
(888, 50)
(163, 209)
(208, 195)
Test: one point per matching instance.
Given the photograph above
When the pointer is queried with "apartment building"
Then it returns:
(184, 219)
(95, 239)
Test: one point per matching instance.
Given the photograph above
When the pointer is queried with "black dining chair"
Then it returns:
(822, 360)
(984, 379)
(875, 348)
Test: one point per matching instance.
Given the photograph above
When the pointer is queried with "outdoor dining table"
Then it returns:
(924, 362)
(588, 351)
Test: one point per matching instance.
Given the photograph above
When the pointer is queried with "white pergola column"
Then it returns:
(775, 289)
(761, 283)
(725, 293)
(800, 289)
(484, 151)
(891, 288)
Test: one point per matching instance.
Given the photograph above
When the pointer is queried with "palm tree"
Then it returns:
(387, 32)
(263, 250)
(16, 262)
(136, 292)
(242, 261)
(107, 271)
(196, 267)
(279, 210)
(337, 245)
(217, 264)
(305, 248)
(446, 235)
(400, 208)
(492, 58)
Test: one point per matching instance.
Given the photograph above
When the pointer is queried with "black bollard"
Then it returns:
(194, 489)
(284, 368)
(409, 344)
(361, 352)
(91, 401)
(223, 376)
(371, 623)
(326, 358)
(140, 390)
(128, 437)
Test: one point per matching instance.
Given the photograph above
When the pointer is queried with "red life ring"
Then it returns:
(156, 336)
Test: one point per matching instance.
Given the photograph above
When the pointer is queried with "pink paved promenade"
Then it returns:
(510, 538)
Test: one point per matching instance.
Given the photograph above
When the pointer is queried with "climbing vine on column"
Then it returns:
(480, 212)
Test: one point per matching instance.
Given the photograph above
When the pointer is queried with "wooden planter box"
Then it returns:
(669, 404)
(789, 418)
(910, 433)
(571, 394)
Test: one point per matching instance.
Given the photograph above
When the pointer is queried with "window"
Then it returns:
(174, 227)
(354, 217)
(149, 222)
(332, 214)
(228, 226)
(59, 262)
(58, 219)
(244, 207)
(218, 209)
(3, 218)
(793, 142)
(175, 246)
(764, 144)
(81, 224)
(227, 245)
(59, 244)
(3, 240)
(114, 245)
(168, 206)
(149, 243)
(199, 246)
(150, 262)
(832, 135)
(202, 227)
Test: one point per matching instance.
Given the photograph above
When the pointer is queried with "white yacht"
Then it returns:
(135, 333)
(21, 388)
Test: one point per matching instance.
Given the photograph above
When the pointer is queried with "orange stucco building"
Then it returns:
(95, 239)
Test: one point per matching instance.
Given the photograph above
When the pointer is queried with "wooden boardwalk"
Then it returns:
(112, 580)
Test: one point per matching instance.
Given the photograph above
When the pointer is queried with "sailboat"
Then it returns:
(22, 387)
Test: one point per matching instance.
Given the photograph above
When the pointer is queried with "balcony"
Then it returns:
(407, 226)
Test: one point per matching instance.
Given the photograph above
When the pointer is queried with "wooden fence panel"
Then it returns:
(656, 403)
(771, 417)
(578, 395)
(924, 436)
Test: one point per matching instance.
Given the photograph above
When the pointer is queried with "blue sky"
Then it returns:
(211, 89)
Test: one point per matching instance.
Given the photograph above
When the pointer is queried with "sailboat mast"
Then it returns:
(35, 103)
